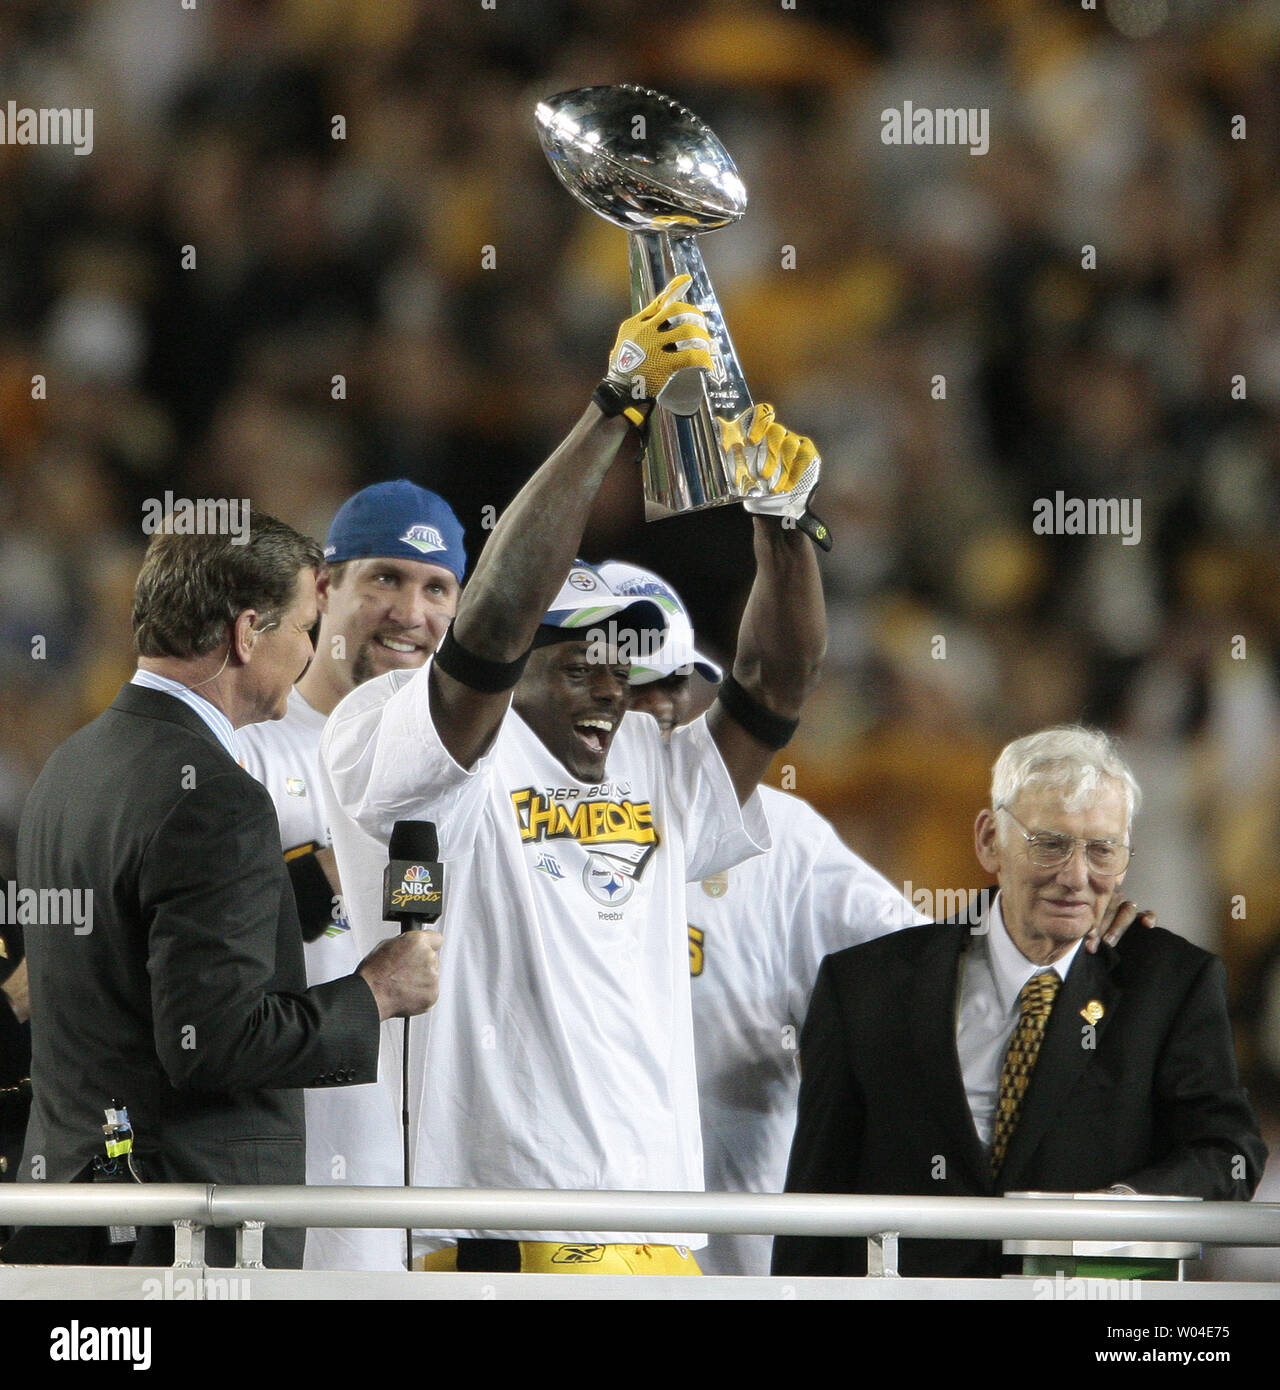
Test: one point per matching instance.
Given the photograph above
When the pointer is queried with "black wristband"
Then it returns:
(312, 892)
(762, 724)
(478, 672)
(614, 399)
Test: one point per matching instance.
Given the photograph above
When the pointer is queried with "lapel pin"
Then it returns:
(1092, 1011)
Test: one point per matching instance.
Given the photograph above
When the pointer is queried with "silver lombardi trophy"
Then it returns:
(652, 167)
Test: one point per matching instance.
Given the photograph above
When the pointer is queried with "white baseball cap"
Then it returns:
(587, 604)
(677, 653)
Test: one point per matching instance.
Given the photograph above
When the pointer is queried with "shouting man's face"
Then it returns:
(574, 704)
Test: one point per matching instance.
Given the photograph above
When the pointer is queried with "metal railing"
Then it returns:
(192, 1207)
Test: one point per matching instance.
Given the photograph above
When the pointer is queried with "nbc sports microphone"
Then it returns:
(413, 895)
(413, 881)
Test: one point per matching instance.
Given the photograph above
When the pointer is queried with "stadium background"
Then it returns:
(365, 257)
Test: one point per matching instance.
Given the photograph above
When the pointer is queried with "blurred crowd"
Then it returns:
(316, 244)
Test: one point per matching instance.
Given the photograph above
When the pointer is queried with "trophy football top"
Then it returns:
(640, 159)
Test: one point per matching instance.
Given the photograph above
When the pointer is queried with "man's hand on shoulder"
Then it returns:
(17, 992)
(404, 973)
(1120, 916)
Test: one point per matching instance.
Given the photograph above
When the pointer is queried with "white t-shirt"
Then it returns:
(284, 755)
(757, 936)
(560, 1053)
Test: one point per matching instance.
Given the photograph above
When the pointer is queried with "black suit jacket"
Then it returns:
(1150, 1097)
(15, 1062)
(187, 999)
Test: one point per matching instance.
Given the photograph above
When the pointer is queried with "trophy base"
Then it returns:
(657, 511)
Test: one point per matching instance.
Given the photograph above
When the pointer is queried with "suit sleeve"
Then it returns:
(209, 893)
(828, 1138)
(1204, 1123)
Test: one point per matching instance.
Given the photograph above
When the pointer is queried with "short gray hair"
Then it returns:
(1069, 758)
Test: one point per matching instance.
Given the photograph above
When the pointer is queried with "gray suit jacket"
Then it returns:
(187, 998)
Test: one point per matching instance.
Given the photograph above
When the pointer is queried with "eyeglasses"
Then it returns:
(1050, 850)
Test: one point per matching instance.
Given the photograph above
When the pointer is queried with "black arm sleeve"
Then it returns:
(313, 894)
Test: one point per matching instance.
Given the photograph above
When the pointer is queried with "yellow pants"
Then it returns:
(550, 1257)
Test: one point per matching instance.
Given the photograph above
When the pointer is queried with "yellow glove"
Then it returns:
(665, 337)
(775, 470)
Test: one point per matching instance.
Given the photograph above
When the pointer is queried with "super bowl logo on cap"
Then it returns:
(424, 538)
(644, 586)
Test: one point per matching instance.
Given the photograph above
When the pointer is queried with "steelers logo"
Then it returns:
(605, 882)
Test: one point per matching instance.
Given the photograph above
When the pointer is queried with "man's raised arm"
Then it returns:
(527, 557)
(783, 636)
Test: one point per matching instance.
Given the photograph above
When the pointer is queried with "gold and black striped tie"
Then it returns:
(1035, 999)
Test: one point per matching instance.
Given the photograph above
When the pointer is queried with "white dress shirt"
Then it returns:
(994, 971)
(222, 727)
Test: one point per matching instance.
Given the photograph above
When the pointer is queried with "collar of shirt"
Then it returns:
(1010, 969)
(222, 728)
(302, 708)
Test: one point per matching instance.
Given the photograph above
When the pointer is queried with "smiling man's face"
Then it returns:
(574, 704)
(1047, 910)
(390, 614)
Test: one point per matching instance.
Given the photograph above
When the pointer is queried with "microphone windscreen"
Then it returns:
(414, 840)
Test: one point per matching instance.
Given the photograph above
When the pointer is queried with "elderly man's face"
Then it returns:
(1047, 910)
